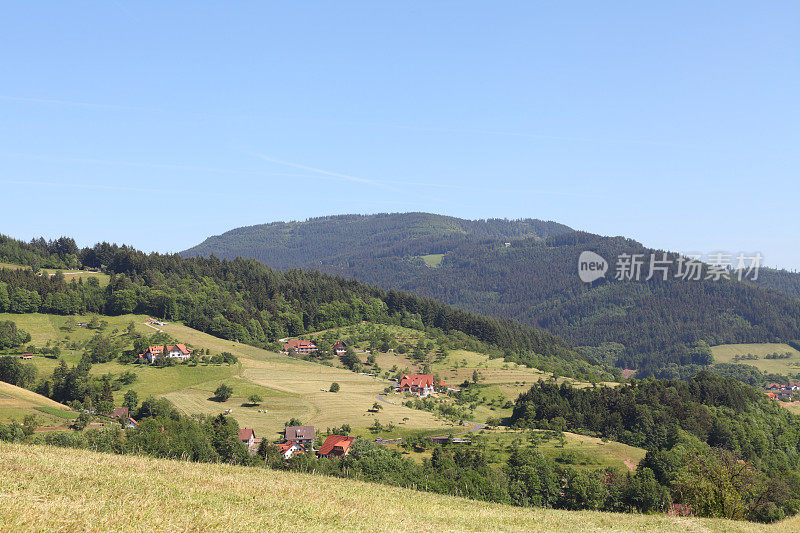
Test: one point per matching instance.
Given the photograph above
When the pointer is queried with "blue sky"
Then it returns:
(675, 123)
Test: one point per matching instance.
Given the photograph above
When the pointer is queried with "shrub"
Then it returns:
(223, 392)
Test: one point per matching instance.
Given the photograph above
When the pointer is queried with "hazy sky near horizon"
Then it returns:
(158, 124)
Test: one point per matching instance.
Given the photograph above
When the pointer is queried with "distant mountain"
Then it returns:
(527, 270)
(337, 239)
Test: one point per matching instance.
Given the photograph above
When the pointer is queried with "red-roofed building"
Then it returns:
(288, 449)
(176, 351)
(248, 437)
(336, 446)
(420, 384)
(300, 346)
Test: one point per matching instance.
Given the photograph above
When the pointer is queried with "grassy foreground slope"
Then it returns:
(47, 488)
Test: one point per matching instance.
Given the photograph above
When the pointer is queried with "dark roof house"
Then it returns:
(301, 434)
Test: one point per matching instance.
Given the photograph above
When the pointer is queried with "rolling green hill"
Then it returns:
(245, 300)
(533, 279)
(47, 488)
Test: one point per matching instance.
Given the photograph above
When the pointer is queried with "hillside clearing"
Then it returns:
(46, 488)
(726, 353)
(69, 274)
(432, 260)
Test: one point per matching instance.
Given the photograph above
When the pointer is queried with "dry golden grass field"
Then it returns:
(51, 489)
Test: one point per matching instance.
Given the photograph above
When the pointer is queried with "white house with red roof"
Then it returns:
(289, 448)
(300, 346)
(420, 384)
(175, 351)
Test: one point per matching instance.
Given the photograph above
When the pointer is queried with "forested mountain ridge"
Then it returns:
(247, 301)
(640, 324)
(336, 239)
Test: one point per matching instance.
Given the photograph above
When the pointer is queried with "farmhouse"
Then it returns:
(300, 346)
(300, 434)
(120, 413)
(339, 349)
(336, 446)
(248, 438)
(26, 356)
(176, 351)
(288, 449)
(420, 384)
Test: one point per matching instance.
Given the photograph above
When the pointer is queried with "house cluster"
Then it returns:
(178, 352)
(300, 346)
(419, 384)
(303, 347)
(122, 415)
(300, 439)
(780, 391)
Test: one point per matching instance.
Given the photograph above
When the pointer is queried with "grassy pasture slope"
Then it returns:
(51, 489)
(725, 353)
(16, 403)
(499, 379)
(290, 387)
(293, 387)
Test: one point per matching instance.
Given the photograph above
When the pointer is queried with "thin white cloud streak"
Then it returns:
(347, 177)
